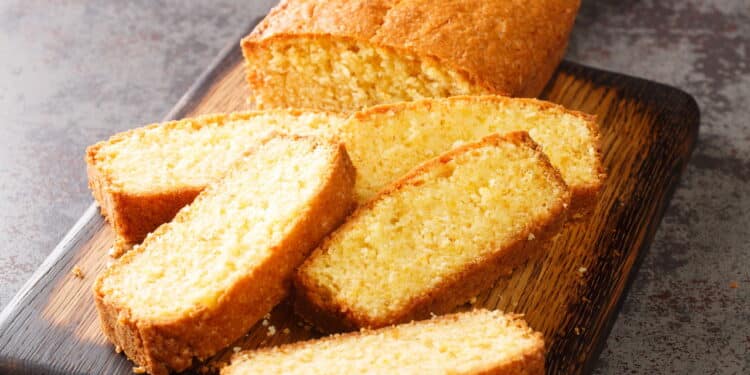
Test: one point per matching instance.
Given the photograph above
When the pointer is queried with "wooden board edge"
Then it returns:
(87, 224)
(671, 117)
(86, 220)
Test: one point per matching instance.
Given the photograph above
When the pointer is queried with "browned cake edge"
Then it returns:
(160, 346)
(584, 198)
(530, 363)
(133, 216)
(315, 304)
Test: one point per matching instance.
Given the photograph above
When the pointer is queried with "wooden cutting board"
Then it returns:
(572, 294)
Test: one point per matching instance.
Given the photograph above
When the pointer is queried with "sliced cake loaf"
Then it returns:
(350, 54)
(436, 237)
(386, 141)
(201, 281)
(142, 177)
(476, 342)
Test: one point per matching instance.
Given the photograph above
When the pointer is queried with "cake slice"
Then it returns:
(436, 237)
(386, 141)
(142, 177)
(476, 342)
(201, 281)
(351, 54)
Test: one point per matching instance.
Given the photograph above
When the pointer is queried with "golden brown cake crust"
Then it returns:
(161, 346)
(584, 198)
(505, 47)
(530, 363)
(316, 305)
(133, 216)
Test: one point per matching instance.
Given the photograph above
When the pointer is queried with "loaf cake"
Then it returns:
(476, 342)
(142, 177)
(350, 54)
(386, 141)
(199, 282)
(436, 237)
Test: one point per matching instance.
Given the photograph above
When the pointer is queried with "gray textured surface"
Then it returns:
(74, 72)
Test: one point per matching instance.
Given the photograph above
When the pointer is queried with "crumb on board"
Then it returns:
(734, 285)
(77, 272)
(531, 237)
(236, 349)
(139, 370)
(582, 270)
(118, 349)
(286, 331)
(267, 316)
(578, 331)
(271, 331)
(264, 323)
(473, 300)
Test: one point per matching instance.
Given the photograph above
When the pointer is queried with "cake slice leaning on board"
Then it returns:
(199, 282)
(142, 177)
(476, 342)
(436, 237)
(351, 54)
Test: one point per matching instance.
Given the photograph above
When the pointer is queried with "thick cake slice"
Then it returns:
(351, 54)
(142, 177)
(385, 142)
(436, 237)
(201, 281)
(477, 342)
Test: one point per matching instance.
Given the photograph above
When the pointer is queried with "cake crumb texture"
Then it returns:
(387, 141)
(199, 282)
(435, 238)
(476, 342)
(142, 177)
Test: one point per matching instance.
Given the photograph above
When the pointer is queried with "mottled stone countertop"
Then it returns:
(76, 71)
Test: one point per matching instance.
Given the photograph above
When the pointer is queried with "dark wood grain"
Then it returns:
(572, 294)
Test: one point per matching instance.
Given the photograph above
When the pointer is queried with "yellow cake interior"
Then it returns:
(192, 153)
(344, 74)
(464, 343)
(385, 144)
(455, 214)
(186, 264)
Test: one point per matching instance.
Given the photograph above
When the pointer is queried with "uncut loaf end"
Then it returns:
(350, 54)
(201, 281)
